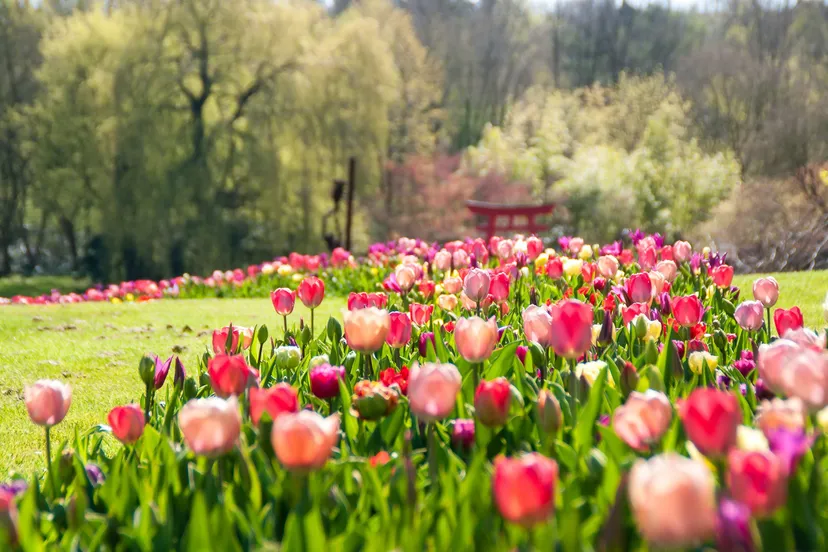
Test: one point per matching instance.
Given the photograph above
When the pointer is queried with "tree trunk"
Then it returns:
(68, 229)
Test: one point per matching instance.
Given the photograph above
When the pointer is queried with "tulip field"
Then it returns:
(501, 395)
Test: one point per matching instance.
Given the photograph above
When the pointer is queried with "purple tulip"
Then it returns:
(733, 527)
(94, 473)
(563, 241)
(425, 337)
(637, 235)
(789, 446)
(179, 374)
(15, 486)
(462, 433)
(161, 371)
(521, 353)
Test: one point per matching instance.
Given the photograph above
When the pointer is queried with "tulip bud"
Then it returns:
(146, 369)
(629, 378)
(372, 400)
(607, 333)
(318, 360)
(550, 418)
(640, 326)
(190, 389)
(288, 356)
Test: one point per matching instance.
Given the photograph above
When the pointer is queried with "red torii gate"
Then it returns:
(497, 212)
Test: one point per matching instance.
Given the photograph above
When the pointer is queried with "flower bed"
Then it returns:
(491, 396)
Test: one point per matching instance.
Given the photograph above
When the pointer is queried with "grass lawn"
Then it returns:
(96, 348)
(39, 285)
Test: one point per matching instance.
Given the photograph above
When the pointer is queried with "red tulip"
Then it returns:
(420, 314)
(491, 402)
(364, 300)
(499, 287)
(757, 479)
(390, 377)
(427, 288)
(220, 340)
(588, 272)
(230, 375)
(722, 276)
(8, 516)
(283, 300)
(311, 292)
(639, 288)
(127, 423)
(785, 320)
(766, 291)
(687, 310)
(524, 488)
(710, 418)
(571, 328)
(399, 330)
(276, 400)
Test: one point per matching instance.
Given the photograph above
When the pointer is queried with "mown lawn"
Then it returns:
(96, 348)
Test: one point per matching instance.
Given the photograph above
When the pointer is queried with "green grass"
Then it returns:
(96, 348)
(39, 285)
(805, 290)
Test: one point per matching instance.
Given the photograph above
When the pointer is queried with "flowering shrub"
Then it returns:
(555, 392)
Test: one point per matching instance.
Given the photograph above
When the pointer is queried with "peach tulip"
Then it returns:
(406, 277)
(658, 281)
(432, 390)
(668, 269)
(304, 441)
(453, 284)
(749, 315)
(537, 325)
(442, 260)
(607, 266)
(127, 423)
(776, 414)
(766, 291)
(47, 401)
(643, 419)
(447, 302)
(524, 488)
(673, 500)
(210, 426)
(366, 329)
(475, 338)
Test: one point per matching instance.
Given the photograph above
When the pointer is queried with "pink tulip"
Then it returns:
(554, 268)
(442, 260)
(639, 288)
(643, 419)
(420, 314)
(210, 426)
(537, 325)
(505, 249)
(499, 287)
(276, 401)
(647, 257)
(476, 284)
(324, 380)
(524, 488)
(758, 480)
(230, 375)
(534, 247)
(687, 310)
(607, 266)
(475, 338)
(432, 390)
(399, 330)
(766, 291)
(283, 300)
(772, 361)
(575, 245)
(127, 423)
(571, 328)
(304, 441)
(366, 329)
(668, 269)
(682, 251)
(491, 402)
(311, 292)
(805, 376)
(47, 401)
(749, 315)
(673, 501)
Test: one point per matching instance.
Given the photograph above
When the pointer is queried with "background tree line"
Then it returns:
(155, 137)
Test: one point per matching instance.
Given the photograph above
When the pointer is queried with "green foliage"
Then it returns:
(620, 156)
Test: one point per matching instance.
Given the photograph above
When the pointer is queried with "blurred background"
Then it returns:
(148, 138)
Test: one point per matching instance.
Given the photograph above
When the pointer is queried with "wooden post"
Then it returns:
(349, 213)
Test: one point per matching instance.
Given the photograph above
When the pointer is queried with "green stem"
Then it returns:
(432, 456)
(476, 374)
(49, 472)
(313, 334)
(285, 337)
(148, 403)
(770, 333)
(369, 370)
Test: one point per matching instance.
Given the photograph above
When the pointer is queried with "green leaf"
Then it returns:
(348, 420)
(197, 538)
(588, 415)
(503, 362)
